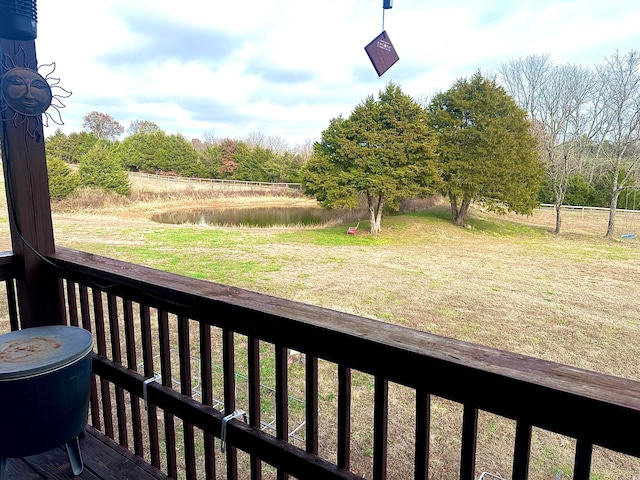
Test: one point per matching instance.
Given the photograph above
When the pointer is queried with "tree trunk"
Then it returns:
(379, 215)
(611, 226)
(453, 200)
(464, 209)
(559, 191)
(375, 213)
(459, 213)
(615, 193)
(558, 218)
(560, 184)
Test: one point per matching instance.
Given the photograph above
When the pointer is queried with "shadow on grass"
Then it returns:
(412, 228)
(480, 223)
(500, 227)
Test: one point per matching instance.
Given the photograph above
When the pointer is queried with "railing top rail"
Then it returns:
(557, 397)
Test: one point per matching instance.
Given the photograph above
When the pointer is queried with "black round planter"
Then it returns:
(45, 379)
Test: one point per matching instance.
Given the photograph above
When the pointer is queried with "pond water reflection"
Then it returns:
(255, 216)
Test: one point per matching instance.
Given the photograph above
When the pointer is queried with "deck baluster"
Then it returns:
(380, 428)
(184, 347)
(282, 399)
(165, 372)
(61, 299)
(228, 366)
(253, 358)
(206, 380)
(86, 324)
(469, 442)
(132, 364)
(116, 353)
(582, 464)
(344, 417)
(423, 429)
(311, 395)
(147, 359)
(12, 304)
(522, 448)
(101, 342)
(72, 303)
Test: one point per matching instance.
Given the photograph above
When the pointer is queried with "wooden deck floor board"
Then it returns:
(103, 460)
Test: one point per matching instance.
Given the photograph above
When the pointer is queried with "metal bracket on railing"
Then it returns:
(144, 389)
(225, 420)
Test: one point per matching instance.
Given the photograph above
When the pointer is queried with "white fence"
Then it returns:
(586, 209)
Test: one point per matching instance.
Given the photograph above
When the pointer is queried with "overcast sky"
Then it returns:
(286, 67)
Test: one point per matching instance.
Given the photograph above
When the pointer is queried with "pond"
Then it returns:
(258, 216)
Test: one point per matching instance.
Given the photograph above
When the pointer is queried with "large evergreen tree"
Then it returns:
(487, 152)
(251, 166)
(384, 151)
(70, 148)
(63, 181)
(158, 152)
(138, 152)
(101, 169)
(59, 146)
(177, 155)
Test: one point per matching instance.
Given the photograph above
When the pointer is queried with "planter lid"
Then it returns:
(37, 350)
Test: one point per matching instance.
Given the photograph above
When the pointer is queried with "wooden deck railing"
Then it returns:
(149, 324)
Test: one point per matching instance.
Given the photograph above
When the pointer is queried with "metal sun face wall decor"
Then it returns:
(26, 91)
(29, 96)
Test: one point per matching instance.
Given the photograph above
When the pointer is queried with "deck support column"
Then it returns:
(28, 201)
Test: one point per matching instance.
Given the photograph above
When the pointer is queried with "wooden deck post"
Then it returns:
(28, 201)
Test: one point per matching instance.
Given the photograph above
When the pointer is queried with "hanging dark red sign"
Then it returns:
(381, 53)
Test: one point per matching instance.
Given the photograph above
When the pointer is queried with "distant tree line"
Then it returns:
(97, 151)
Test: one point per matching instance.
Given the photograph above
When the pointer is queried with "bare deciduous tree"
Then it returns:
(303, 151)
(256, 139)
(209, 138)
(619, 132)
(102, 125)
(558, 99)
(142, 126)
(565, 97)
(524, 78)
(275, 143)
